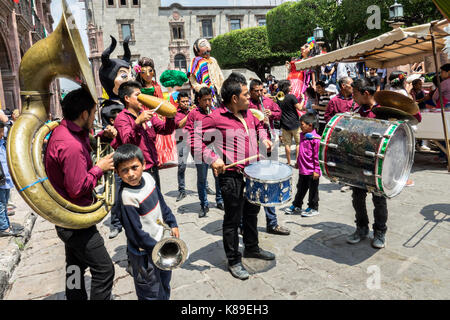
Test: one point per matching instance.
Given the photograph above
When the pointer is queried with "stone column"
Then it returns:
(15, 58)
(2, 94)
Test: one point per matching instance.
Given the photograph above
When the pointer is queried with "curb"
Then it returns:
(10, 256)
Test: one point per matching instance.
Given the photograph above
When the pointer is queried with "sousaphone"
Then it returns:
(61, 54)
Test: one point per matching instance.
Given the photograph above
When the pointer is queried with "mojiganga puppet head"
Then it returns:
(114, 72)
(202, 48)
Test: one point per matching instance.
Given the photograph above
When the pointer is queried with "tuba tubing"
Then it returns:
(60, 54)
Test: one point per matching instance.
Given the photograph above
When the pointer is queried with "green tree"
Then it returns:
(247, 48)
(344, 21)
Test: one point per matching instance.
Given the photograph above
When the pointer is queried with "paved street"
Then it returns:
(314, 262)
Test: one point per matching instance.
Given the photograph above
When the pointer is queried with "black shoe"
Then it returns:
(238, 271)
(181, 196)
(278, 230)
(379, 240)
(129, 268)
(10, 233)
(360, 234)
(220, 206)
(114, 233)
(261, 254)
(203, 213)
(210, 191)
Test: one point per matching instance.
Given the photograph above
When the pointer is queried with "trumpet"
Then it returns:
(170, 252)
(280, 96)
(108, 180)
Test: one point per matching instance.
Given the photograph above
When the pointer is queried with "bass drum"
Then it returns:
(371, 154)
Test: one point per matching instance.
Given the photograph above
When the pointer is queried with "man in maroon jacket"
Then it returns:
(272, 113)
(70, 170)
(140, 128)
(342, 102)
(363, 90)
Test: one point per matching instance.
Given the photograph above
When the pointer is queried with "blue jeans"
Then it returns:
(4, 220)
(150, 282)
(202, 183)
(271, 217)
(115, 210)
(183, 152)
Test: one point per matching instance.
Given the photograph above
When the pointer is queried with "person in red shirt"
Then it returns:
(203, 101)
(235, 131)
(363, 91)
(138, 127)
(342, 102)
(71, 172)
(182, 145)
(272, 113)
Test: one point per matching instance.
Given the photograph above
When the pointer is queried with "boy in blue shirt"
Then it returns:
(142, 205)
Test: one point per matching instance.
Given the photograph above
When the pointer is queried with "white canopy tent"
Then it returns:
(398, 47)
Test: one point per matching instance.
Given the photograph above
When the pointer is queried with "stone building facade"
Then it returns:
(21, 25)
(164, 33)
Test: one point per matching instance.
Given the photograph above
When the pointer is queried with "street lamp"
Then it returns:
(396, 15)
(318, 33)
(396, 11)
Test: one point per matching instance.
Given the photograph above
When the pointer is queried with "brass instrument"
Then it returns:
(280, 96)
(108, 180)
(61, 54)
(160, 106)
(170, 252)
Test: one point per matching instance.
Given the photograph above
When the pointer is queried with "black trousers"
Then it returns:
(380, 213)
(304, 184)
(236, 207)
(85, 248)
(154, 171)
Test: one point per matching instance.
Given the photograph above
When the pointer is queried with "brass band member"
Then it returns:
(70, 170)
(237, 126)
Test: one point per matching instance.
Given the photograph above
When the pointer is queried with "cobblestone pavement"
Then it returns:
(313, 262)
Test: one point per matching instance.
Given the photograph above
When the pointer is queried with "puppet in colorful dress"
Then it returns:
(165, 144)
(204, 71)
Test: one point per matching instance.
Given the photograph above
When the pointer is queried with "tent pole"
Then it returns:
(440, 98)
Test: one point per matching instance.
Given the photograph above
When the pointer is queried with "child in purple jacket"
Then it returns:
(309, 169)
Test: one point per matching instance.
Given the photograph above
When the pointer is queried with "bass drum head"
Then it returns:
(268, 170)
(398, 160)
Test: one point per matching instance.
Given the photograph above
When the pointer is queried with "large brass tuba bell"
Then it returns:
(59, 55)
(170, 252)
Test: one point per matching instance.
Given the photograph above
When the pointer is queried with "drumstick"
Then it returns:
(242, 161)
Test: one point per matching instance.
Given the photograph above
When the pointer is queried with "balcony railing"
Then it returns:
(38, 26)
(23, 9)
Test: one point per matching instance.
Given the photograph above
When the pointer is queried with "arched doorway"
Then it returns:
(6, 77)
(180, 62)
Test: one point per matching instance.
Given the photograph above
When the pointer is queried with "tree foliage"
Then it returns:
(247, 48)
(344, 21)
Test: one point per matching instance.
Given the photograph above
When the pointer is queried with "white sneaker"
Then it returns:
(310, 213)
(345, 188)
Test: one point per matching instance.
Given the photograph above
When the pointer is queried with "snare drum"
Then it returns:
(268, 183)
(371, 154)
